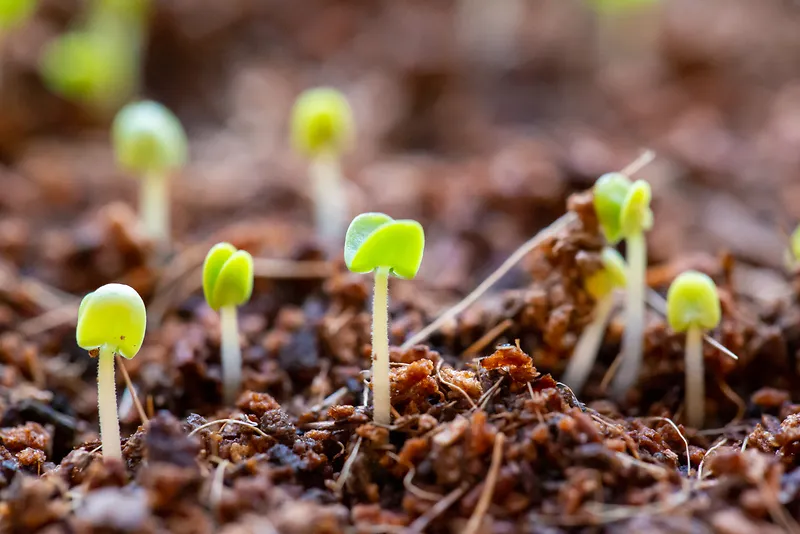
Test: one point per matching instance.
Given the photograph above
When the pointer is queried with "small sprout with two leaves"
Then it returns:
(150, 142)
(322, 129)
(623, 209)
(111, 320)
(228, 283)
(601, 286)
(377, 243)
(693, 307)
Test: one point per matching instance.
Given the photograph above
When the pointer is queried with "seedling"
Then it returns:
(377, 243)
(600, 286)
(623, 209)
(228, 283)
(150, 141)
(792, 256)
(110, 320)
(693, 307)
(322, 128)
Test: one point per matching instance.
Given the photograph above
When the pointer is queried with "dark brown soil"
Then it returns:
(484, 154)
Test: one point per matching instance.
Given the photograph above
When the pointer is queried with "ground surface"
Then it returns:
(484, 152)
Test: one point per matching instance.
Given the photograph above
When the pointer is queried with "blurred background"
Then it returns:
(476, 117)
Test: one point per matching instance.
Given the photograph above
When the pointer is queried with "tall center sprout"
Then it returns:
(623, 209)
(228, 283)
(110, 320)
(377, 243)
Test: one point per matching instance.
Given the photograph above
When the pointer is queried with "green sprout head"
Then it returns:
(14, 13)
(376, 242)
(150, 141)
(609, 195)
(322, 122)
(322, 128)
(600, 286)
(792, 256)
(110, 320)
(693, 307)
(228, 283)
(623, 210)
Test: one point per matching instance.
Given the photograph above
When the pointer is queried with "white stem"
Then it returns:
(154, 207)
(231, 354)
(330, 199)
(695, 407)
(633, 338)
(107, 405)
(380, 348)
(583, 358)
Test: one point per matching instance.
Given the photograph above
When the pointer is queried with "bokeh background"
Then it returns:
(477, 117)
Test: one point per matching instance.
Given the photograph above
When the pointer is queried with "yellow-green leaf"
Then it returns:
(376, 240)
(114, 315)
(610, 191)
(322, 122)
(692, 300)
(227, 276)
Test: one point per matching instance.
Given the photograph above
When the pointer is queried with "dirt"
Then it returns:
(484, 151)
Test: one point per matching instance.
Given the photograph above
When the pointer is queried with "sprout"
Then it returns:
(693, 307)
(150, 141)
(228, 283)
(600, 286)
(792, 255)
(623, 209)
(376, 242)
(14, 13)
(322, 128)
(110, 320)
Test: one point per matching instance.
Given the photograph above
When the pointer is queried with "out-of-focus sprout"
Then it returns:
(322, 129)
(792, 256)
(621, 6)
(635, 218)
(150, 142)
(601, 286)
(110, 320)
(96, 63)
(693, 307)
(228, 283)
(14, 13)
(377, 243)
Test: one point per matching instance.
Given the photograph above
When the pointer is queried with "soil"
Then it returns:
(484, 151)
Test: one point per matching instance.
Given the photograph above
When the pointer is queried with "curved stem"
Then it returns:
(107, 405)
(381, 400)
(633, 338)
(695, 378)
(154, 207)
(583, 358)
(330, 199)
(231, 354)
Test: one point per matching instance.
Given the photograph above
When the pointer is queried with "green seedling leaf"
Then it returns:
(621, 6)
(610, 277)
(14, 13)
(610, 191)
(148, 138)
(376, 240)
(322, 121)
(113, 315)
(794, 244)
(636, 216)
(227, 276)
(692, 300)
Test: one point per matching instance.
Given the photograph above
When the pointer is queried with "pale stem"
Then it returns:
(633, 337)
(583, 358)
(380, 348)
(330, 199)
(695, 378)
(231, 354)
(154, 207)
(107, 405)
